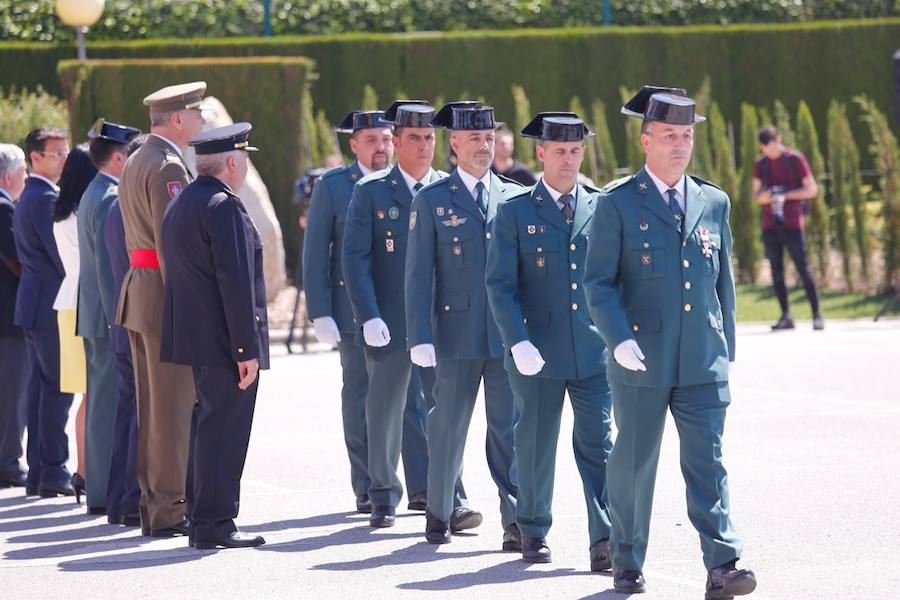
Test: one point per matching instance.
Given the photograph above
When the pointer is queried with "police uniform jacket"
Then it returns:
(672, 292)
(42, 269)
(446, 301)
(214, 311)
(374, 252)
(534, 281)
(95, 282)
(323, 275)
(153, 176)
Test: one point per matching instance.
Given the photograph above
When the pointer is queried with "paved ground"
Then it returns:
(812, 448)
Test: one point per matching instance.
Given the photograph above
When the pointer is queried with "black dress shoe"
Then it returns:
(175, 530)
(818, 322)
(727, 581)
(96, 510)
(418, 501)
(363, 504)
(512, 538)
(626, 581)
(50, 490)
(131, 520)
(235, 539)
(436, 531)
(535, 550)
(382, 516)
(785, 322)
(10, 481)
(600, 560)
(31, 490)
(464, 518)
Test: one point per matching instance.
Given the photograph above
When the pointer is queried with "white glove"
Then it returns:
(629, 355)
(376, 333)
(527, 358)
(423, 355)
(326, 330)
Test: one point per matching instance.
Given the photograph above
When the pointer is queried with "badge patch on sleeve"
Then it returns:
(412, 220)
(174, 188)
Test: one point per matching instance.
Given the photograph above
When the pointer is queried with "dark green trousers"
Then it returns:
(539, 402)
(353, 411)
(100, 418)
(640, 413)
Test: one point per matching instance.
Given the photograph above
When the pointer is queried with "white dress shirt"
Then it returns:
(680, 188)
(412, 181)
(556, 194)
(470, 182)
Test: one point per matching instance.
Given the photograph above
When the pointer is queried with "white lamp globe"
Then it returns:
(79, 13)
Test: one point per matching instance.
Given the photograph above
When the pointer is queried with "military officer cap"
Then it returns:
(667, 105)
(465, 115)
(176, 97)
(405, 113)
(557, 127)
(223, 139)
(112, 132)
(362, 119)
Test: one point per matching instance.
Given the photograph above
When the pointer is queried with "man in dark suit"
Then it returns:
(108, 146)
(42, 274)
(13, 356)
(214, 321)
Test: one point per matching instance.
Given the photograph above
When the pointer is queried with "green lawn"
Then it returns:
(758, 303)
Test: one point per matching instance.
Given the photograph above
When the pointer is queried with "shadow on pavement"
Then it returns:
(75, 548)
(341, 518)
(84, 533)
(135, 560)
(514, 571)
(417, 553)
(17, 500)
(45, 522)
(344, 537)
(35, 510)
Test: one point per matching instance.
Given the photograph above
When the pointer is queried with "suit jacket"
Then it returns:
(214, 311)
(114, 240)
(9, 279)
(446, 301)
(152, 178)
(95, 285)
(374, 252)
(323, 276)
(672, 292)
(42, 269)
(534, 291)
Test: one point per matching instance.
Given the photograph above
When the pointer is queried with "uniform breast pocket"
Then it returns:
(541, 257)
(455, 245)
(390, 240)
(647, 252)
(710, 249)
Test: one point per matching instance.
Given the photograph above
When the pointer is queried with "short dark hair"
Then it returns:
(767, 135)
(36, 140)
(101, 151)
(77, 173)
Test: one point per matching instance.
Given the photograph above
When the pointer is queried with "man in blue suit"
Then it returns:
(534, 280)
(215, 321)
(109, 142)
(449, 324)
(13, 355)
(42, 274)
(374, 259)
(327, 303)
(660, 290)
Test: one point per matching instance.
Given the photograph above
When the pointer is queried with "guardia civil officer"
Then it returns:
(152, 177)
(374, 254)
(449, 324)
(328, 304)
(96, 302)
(215, 322)
(535, 271)
(660, 289)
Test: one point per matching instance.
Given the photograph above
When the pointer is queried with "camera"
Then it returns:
(777, 192)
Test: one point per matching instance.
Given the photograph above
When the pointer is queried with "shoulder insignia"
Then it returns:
(704, 182)
(615, 183)
(173, 188)
(412, 220)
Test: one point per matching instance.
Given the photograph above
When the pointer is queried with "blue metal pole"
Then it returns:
(267, 18)
(607, 13)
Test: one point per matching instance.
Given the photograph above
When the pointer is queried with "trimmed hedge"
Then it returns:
(268, 92)
(747, 63)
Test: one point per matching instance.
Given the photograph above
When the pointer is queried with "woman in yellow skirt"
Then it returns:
(77, 174)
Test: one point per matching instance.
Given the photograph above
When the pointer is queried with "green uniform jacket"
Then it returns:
(672, 292)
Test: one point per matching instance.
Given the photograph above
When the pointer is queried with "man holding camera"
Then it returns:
(784, 184)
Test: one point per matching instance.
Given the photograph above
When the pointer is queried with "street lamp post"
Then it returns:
(79, 14)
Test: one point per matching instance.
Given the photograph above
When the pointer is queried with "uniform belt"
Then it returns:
(144, 258)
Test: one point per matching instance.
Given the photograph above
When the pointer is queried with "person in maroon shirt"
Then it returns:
(784, 184)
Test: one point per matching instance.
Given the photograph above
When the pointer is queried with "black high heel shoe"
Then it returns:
(78, 486)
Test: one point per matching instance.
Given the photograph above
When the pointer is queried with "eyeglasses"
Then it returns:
(54, 154)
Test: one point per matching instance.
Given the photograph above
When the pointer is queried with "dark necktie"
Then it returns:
(568, 212)
(417, 187)
(479, 198)
(675, 208)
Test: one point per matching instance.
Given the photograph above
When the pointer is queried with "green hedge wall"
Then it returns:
(748, 63)
(266, 91)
